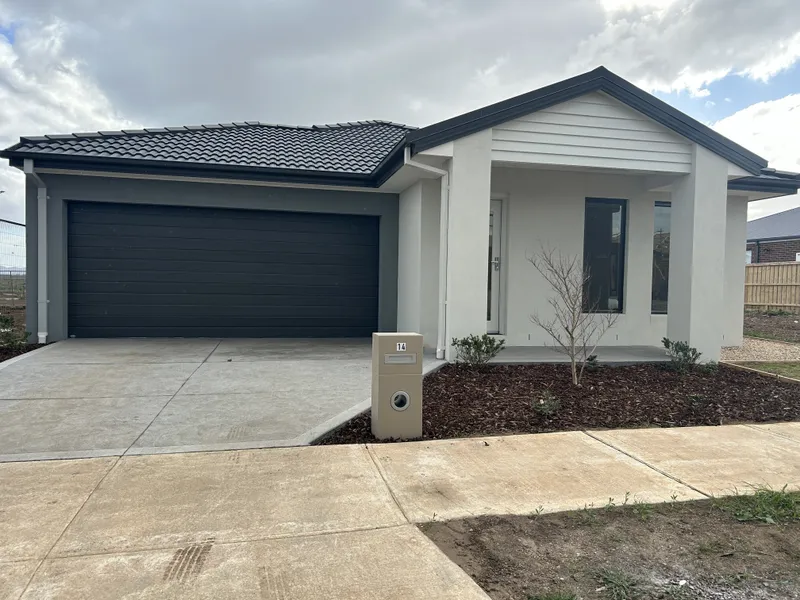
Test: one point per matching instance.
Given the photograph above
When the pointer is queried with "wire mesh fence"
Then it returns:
(12, 264)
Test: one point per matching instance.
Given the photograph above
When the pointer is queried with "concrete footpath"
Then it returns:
(336, 522)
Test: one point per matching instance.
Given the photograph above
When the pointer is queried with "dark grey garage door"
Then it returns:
(163, 271)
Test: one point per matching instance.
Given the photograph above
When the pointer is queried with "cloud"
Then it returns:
(43, 91)
(95, 64)
(688, 44)
(769, 129)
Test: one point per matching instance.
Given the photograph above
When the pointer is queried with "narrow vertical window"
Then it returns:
(604, 254)
(661, 229)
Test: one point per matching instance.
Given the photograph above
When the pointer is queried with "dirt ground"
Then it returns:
(497, 400)
(674, 551)
(776, 327)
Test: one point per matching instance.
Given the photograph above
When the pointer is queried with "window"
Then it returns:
(797, 257)
(604, 254)
(748, 257)
(658, 304)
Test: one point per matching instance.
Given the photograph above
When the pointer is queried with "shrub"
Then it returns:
(710, 368)
(575, 326)
(10, 337)
(592, 364)
(547, 404)
(476, 350)
(681, 355)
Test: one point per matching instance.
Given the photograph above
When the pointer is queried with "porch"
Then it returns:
(619, 221)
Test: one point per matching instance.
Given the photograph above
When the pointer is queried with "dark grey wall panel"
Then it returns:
(154, 271)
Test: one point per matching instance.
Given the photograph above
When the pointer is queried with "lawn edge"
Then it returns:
(768, 373)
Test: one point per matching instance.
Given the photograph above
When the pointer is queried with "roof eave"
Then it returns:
(199, 170)
(761, 184)
(769, 240)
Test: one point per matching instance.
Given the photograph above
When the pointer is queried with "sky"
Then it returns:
(87, 65)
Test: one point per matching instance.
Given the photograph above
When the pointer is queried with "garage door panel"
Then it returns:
(358, 259)
(345, 307)
(222, 331)
(222, 245)
(245, 235)
(93, 292)
(287, 315)
(107, 269)
(139, 270)
(182, 218)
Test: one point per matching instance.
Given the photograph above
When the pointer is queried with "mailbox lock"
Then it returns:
(400, 401)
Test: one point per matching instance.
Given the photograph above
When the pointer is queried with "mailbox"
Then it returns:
(396, 385)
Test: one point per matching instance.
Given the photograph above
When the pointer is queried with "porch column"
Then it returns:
(697, 255)
(468, 237)
(735, 246)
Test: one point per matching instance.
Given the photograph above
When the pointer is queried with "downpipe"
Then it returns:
(41, 250)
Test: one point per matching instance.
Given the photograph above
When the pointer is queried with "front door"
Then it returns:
(495, 264)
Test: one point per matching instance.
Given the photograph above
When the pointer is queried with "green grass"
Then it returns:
(787, 369)
(618, 585)
(554, 596)
(764, 505)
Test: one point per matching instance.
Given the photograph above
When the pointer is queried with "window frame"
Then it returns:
(623, 249)
(661, 204)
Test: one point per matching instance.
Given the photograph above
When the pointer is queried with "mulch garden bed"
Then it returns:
(496, 400)
(18, 313)
(777, 326)
(6, 353)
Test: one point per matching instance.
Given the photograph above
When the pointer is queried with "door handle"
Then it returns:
(496, 263)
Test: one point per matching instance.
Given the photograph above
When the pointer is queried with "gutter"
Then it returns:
(41, 249)
(444, 218)
(772, 240)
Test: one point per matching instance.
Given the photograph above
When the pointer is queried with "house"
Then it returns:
(775, 238)
(254, 230)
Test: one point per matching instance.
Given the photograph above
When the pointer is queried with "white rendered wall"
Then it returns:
(409, 258)
(697, 255)
(593, 130)
(429, 268)
(547, 208)
(735, 245)
(418, 260)
(468, 236)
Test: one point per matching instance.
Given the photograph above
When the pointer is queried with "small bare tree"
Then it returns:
(575, 327)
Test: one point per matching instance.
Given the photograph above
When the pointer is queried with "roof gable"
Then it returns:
(593, 130)
(598, 80)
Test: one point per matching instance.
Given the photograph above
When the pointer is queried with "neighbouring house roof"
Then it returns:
(364, 153)
(781, 225)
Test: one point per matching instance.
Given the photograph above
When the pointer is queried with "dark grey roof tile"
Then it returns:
(355, 148)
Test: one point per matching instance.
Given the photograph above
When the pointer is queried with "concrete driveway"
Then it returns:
(90, 398)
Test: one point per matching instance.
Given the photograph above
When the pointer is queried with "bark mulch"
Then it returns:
(6, 353)
(497, 400)
(776, 326)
